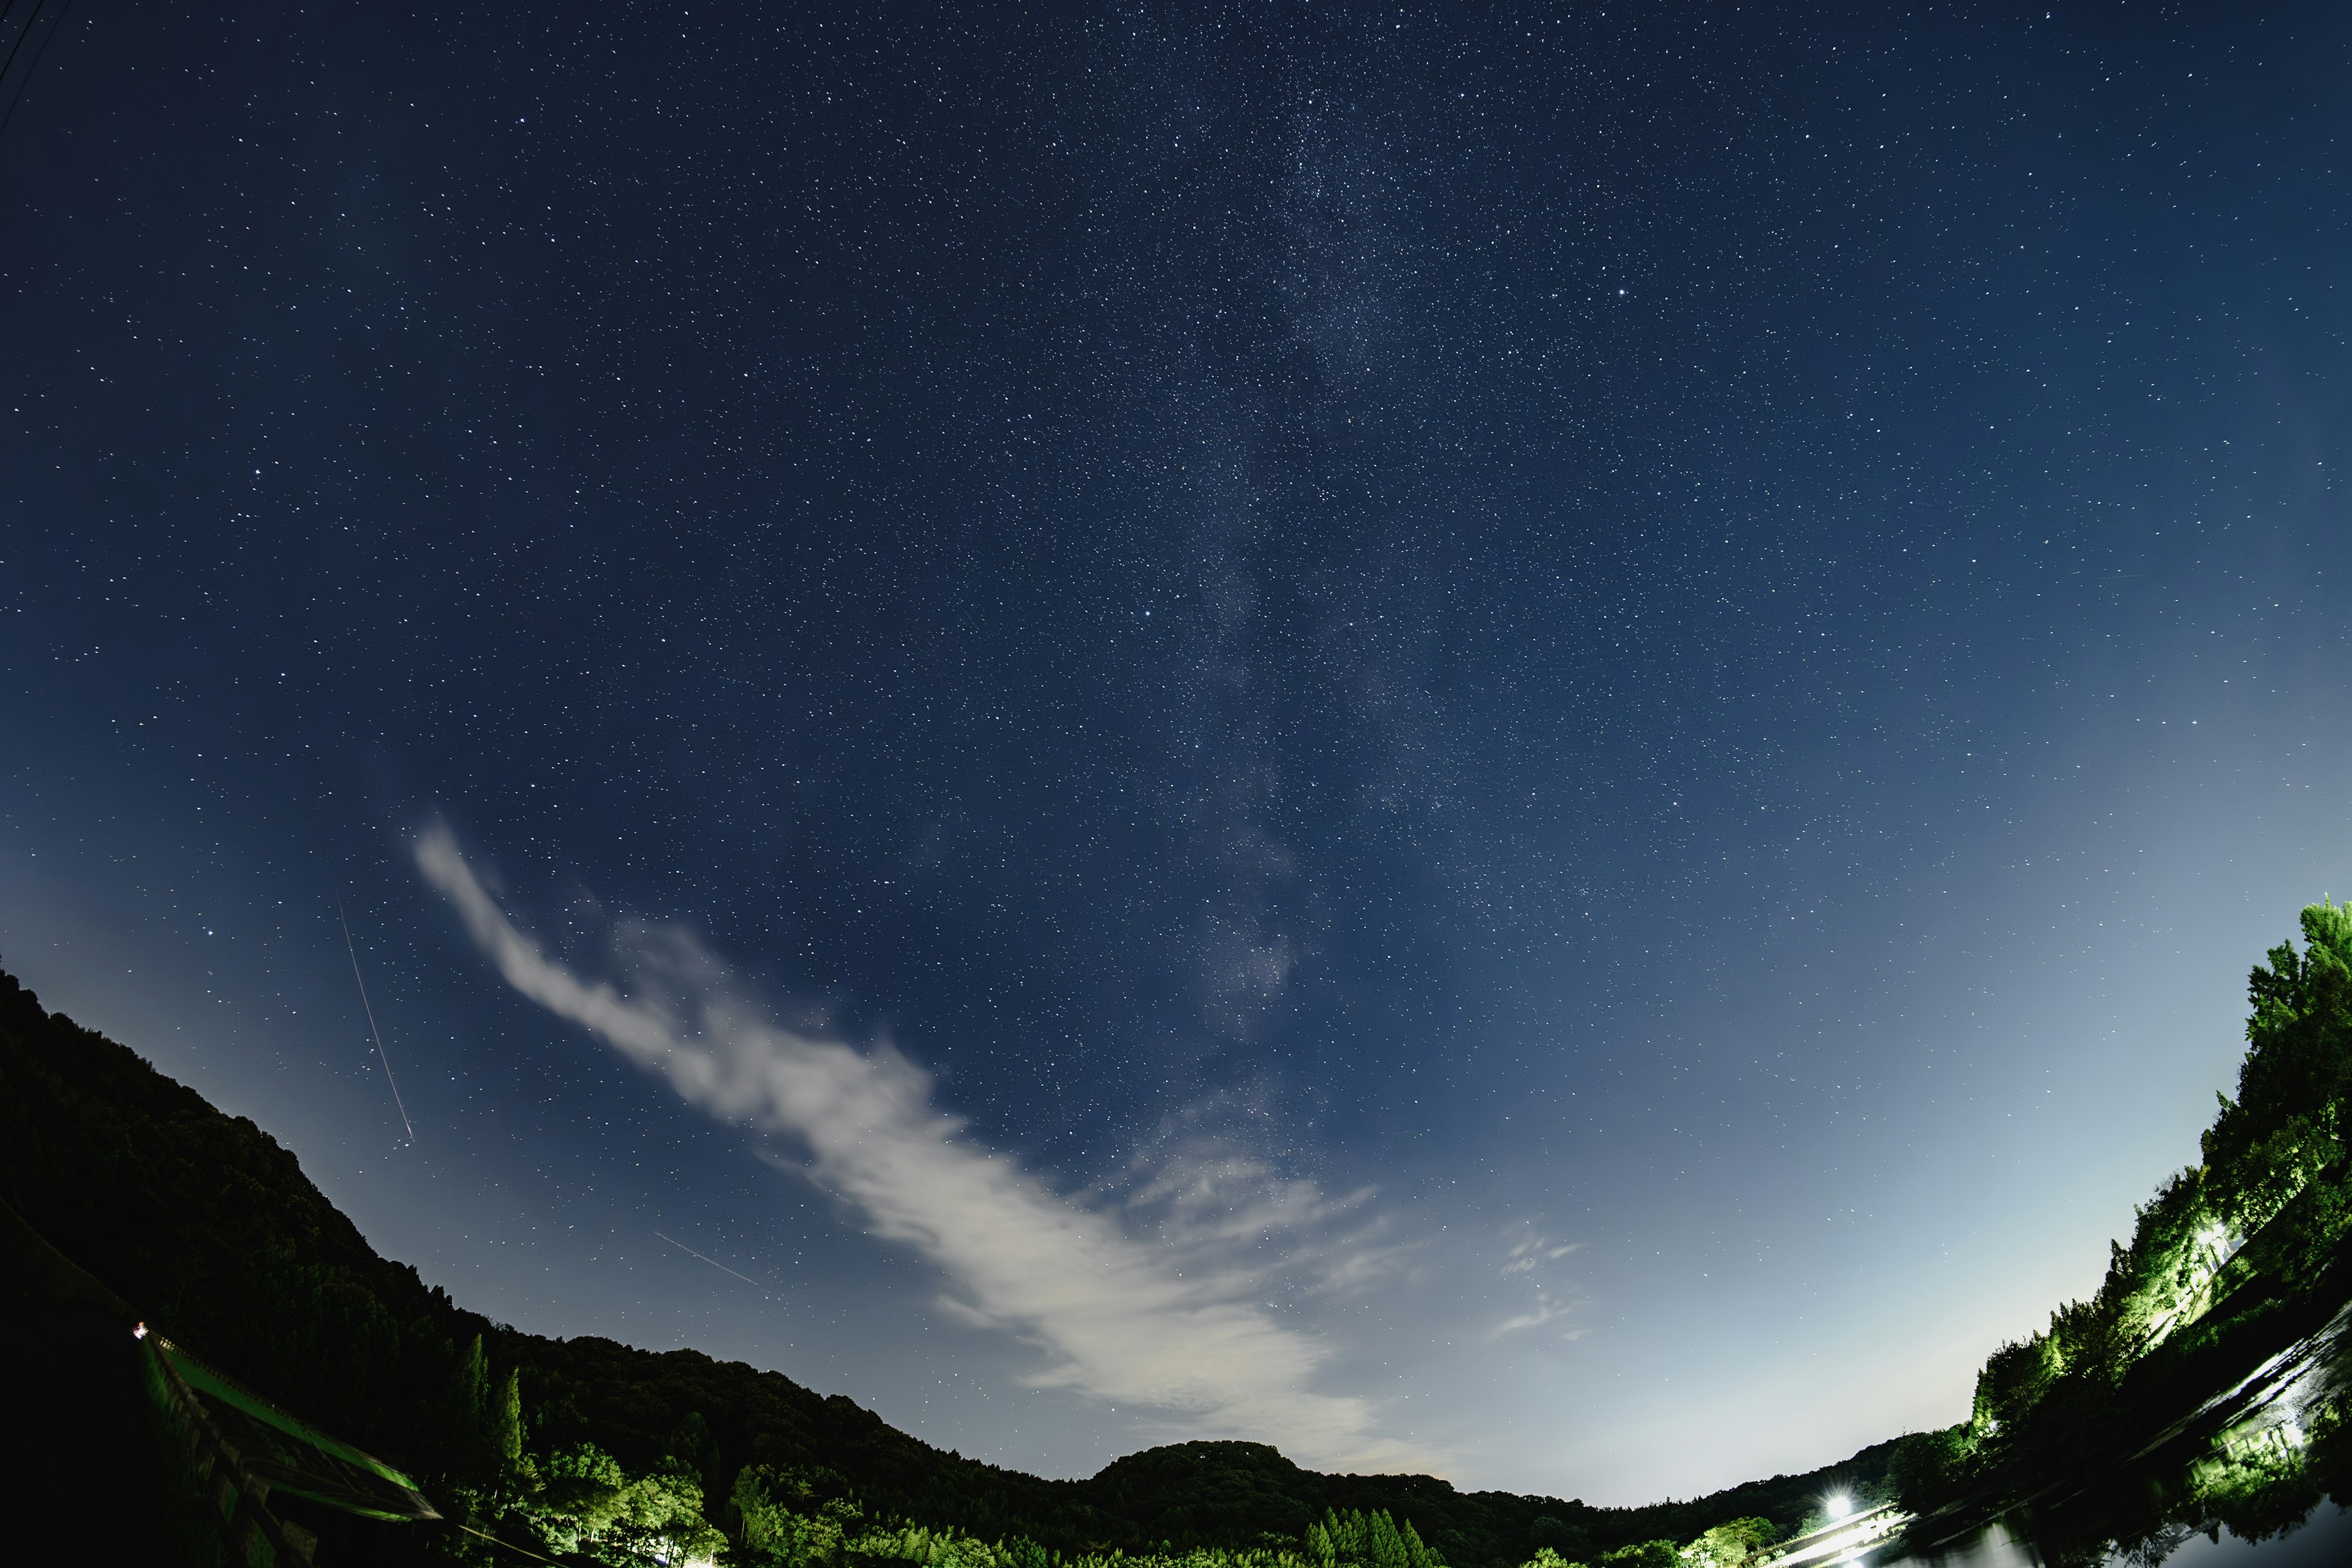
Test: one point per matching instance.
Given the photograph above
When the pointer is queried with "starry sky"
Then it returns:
(1542, 744)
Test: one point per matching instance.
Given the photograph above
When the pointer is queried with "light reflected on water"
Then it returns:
(2246, 1478)
(2323, 1541)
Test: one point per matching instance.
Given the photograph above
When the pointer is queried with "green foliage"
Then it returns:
(2012, 1382)
(576, 1497)
(1641, 1554)
(2221, 1262)
(1354, 1539)
(1732, 1544)
(470, 1451)
(509, 1424)
(1931, 1469)
(2253, 1482)
(2299, 1055)
(692, 1443)
(1550, 1532)
(1656, 1553)
(785, 1523)
(209, 1229)
(585, 1503)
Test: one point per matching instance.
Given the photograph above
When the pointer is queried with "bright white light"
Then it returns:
(1839, 1506)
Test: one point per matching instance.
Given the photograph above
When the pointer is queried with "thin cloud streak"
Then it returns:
(1546, 1310)
(1530, 1258)
(1171, 1328)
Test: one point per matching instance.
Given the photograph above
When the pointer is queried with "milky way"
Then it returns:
(1598, 705)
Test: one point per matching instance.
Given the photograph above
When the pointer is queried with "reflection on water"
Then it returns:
(2247, 1477)
(2325, 1540)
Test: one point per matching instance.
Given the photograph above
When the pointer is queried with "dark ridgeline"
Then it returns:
(207, 1227)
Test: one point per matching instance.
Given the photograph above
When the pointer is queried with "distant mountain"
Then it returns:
(206, 1225)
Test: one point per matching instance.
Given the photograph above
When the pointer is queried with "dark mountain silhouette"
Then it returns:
(207, 1226)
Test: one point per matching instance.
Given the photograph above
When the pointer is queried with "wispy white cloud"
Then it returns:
(1548, 1309)
(1535, 1252)
(1528, 1258)
(1172, 1320)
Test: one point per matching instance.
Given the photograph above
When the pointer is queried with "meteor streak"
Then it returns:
(369, 1009)
(713, 1262)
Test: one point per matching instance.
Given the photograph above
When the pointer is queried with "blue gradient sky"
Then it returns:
(1579, 722)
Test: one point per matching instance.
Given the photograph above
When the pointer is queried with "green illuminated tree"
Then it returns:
(509, 1421)
(1730, 1545)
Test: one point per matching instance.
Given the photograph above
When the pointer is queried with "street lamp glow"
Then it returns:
(1839, 1506)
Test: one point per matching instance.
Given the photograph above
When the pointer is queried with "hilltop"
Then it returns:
(207, 1227)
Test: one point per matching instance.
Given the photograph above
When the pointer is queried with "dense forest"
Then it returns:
(2232, 1259)
(587, 1450)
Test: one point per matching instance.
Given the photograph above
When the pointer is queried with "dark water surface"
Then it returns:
(2250, 1474)
(2325, 1538)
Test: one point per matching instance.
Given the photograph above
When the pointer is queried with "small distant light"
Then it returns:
(138, 1332)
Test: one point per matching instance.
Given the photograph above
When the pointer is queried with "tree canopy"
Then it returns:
(207, 1227)
(2232, 1257)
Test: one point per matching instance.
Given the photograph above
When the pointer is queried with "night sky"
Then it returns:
(1546, 747)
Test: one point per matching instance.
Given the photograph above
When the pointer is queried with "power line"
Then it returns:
(31, 21)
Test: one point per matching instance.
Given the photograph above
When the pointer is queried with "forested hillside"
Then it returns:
(2233, 1258)
(207, 1228)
